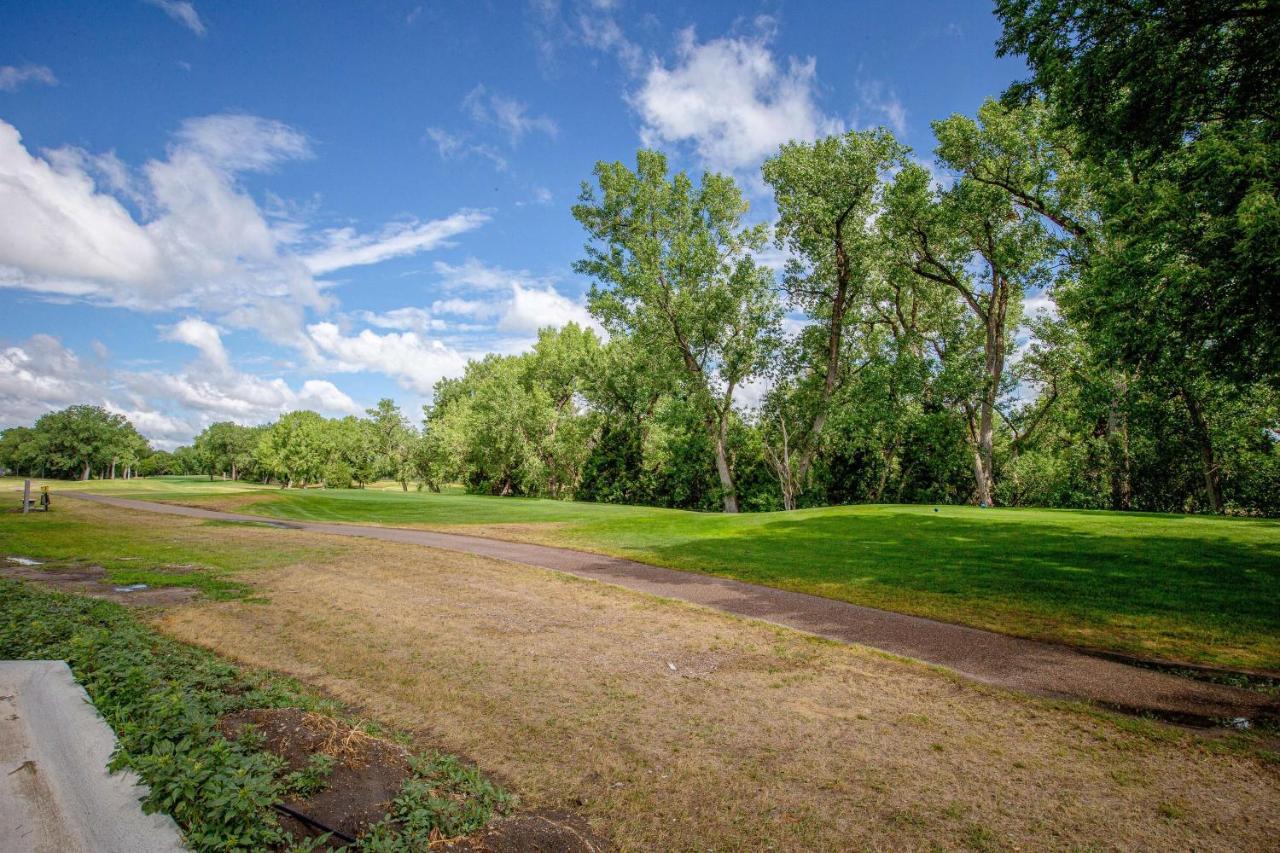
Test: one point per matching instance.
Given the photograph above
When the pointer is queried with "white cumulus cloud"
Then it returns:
(414, 360)
(200, 243)
(731, 99)
(533, 308)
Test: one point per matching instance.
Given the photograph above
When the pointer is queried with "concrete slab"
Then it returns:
(55, 791)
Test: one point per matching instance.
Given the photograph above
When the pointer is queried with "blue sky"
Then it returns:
(214, 211)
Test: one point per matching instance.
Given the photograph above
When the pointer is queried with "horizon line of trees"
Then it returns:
(1131, 185)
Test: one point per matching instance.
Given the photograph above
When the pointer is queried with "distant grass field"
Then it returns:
(1191, 588)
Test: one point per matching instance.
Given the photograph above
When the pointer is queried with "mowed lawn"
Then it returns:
(1190, 588)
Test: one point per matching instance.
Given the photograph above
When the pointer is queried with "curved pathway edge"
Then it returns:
(1030, 666)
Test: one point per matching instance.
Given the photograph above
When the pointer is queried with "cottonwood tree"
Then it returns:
(828, 194)
(980, 242)
(517, 424)
(671, 266)
(625, 391)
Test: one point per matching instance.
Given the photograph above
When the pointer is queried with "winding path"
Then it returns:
(1035, 667)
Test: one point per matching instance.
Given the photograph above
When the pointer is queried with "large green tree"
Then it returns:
(295, 449)
(396, 441)
(984, 244)
(671, 265)
(1175, 106)
(79, 439)
(226, 448)
(828, 194)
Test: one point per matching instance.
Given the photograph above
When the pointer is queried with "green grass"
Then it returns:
(1192, 588)
(132, 553)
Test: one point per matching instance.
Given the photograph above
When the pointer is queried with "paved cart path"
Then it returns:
(1042, 668)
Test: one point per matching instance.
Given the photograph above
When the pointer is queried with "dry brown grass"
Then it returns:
(673, 727)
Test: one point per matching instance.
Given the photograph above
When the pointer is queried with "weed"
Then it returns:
(442, 799)
(312, 779)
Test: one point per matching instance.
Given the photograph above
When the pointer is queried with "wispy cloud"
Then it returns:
(452, 146)
(882, 105)
(182, 11)
(345, 248)
(14, 76)
(507, 114)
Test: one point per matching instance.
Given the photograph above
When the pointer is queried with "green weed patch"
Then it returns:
(163, 699)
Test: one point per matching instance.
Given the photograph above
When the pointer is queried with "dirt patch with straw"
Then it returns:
(364, 773)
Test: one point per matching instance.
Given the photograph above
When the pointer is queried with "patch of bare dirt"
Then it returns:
(89, 579)
(367, 771)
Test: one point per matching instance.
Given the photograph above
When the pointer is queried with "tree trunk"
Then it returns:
(722, 464)
(1208, 459)
(982, 479)
(780, 462)
(1118, 438)
(233, 470)
(113, 469)
(994, 369)
(85, 474)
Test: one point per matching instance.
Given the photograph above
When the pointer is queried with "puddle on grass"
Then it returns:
(24, 561)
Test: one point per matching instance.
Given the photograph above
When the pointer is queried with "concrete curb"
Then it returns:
(55, 791)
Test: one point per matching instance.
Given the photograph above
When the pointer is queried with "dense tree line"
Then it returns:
(75, 443)
(1128, 190)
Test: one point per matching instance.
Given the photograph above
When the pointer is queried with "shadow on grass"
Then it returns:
(1195, 575)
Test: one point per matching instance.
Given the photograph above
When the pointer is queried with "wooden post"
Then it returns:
(26, 495)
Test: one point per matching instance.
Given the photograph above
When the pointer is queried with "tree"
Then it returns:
(983, 242)
(226, 448)
(517, 424)
(671, 266)
(295, 449)
(18, 450)
(828, 192)
(1175, 105)
(625, 392)
(395, 440)
(157, 463)
(78, 439)
(356, 451)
